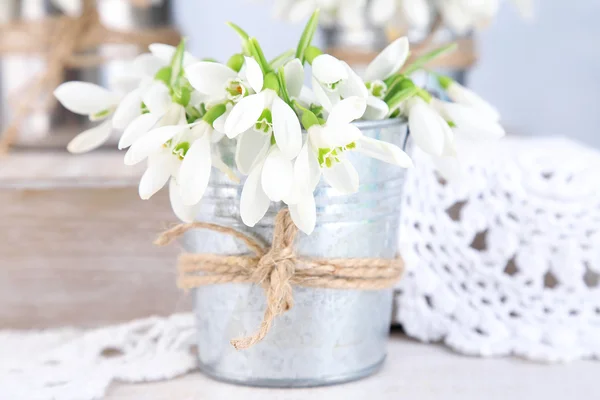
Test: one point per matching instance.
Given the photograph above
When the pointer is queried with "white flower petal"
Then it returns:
(219, 123)
(183, 212)
(165, 52)
(194, 173)
(123, 84)
(157, 98)
(307, 172)
(461, 94)
(251, 148)
(325, 98)
(254, 203)
(85, 98)
(425, 127)
(304, 213)
(209, 77)
(136, 129)
(148, 64)
(254, 74)
(294, 77)
(175, 115)
(307, 97)
(383, 151)
(155, 177)
(151, 143)
(277, 175)
(376, 109)
(90, 139)
(286, 128)
(129, 109)
(342, 176)
(389, 61)
(346, 111)
(354, 85)
(245, 114)
(328, 69)
(469, 121)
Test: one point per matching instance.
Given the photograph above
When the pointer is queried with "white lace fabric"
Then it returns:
(70, 364)
(505, 260)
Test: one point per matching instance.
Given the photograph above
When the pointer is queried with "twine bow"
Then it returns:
(277, 269)
(64, 41)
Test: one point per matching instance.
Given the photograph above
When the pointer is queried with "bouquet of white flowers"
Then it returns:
(461, 16)
(288, 135)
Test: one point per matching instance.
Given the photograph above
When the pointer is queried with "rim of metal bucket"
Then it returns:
(381, 123)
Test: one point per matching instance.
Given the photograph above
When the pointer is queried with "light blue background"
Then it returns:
(544, 75)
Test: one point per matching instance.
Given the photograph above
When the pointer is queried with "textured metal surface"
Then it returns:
(55, 126)
(329, 335)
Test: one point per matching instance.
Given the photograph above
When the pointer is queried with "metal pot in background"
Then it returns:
(330, 335)
(55, 126)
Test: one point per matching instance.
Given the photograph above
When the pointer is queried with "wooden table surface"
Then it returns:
(413, 371)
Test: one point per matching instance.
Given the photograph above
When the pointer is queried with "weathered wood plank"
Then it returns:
(81, 254)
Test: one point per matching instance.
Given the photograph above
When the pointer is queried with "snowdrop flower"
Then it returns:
(468, 122)
(460, 94)
(428, 129)
(261, 118)
(181, 152)
(386, 64)
(222, 83)
(324, 153)
(294, 81)
(99, 104)
(219, 82)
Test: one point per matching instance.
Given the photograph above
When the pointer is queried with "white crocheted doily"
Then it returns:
(506, 259)
(71, 364)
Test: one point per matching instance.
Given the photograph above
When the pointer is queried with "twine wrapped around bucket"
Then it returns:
(277, 268)
(63, 41)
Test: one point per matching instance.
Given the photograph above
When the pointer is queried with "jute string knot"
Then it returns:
(64, 42)
(277, 269)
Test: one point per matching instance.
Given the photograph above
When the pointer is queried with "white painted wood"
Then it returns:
(413, 371)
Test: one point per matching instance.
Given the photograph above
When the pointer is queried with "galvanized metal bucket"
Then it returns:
(329, 336)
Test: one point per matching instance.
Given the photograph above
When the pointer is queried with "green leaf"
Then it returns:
(307, 35)
(309, 119)
(182, 96)
(214, 112)
(259, 56)
(164, 75)
(236, 62)
(311, 53)
(397, 85)
(426, 58)
(177, 63)
(283, 87)
(271, 82)
(402, 95)
(244, 36)
(281, 59)
(241, 33)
